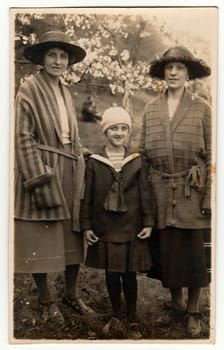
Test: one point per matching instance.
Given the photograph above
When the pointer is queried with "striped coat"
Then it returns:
(38, 172)
(179, 153)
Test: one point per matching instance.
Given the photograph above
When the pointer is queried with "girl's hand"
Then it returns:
(90, 237)
(145, 233)
(86, 153)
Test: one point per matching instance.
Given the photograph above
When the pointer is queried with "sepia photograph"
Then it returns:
(113, 116)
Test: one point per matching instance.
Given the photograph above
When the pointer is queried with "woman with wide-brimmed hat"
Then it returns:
(176, 140)
(49, 173)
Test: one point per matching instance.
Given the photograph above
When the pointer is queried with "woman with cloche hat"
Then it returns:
(49, 174)
(176, 140)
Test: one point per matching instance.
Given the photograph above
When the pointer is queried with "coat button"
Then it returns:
(171, 223)
(174, 202)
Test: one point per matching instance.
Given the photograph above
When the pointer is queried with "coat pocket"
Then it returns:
(48, 195)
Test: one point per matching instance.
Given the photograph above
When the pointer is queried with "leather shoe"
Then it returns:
(193, 324)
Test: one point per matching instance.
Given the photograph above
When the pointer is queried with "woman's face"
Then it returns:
(176, 74)
(55, 62)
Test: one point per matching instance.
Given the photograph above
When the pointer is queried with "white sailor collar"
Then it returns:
(106, 161)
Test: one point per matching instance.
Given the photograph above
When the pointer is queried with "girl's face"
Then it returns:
(176, 74)
(117, 134)
(55, 62)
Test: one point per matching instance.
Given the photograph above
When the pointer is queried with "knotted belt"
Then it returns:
(193, 178)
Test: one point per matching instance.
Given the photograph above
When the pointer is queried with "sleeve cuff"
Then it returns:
(39, 180)
(148, 222)
(206, 203)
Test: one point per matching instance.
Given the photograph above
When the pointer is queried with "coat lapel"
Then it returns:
(164, 116)
(51, 100)
(183, 106)
(163, 110)
(71, 117)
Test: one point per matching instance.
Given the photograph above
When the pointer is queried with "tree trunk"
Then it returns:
(126, 101)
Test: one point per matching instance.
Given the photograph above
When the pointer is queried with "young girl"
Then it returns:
(116, 217)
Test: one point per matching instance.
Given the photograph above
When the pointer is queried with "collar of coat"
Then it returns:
(102, 157)
(44, 88)
(185, 103)
(115, 200)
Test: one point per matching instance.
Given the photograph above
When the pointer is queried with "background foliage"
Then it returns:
(119, 49)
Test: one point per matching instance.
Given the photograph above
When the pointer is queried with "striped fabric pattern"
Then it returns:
(37, 121)
(116, 159)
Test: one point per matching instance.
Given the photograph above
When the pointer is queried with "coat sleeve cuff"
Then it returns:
(39, 180)
(148, 222)
(85, 227)
(206, 203)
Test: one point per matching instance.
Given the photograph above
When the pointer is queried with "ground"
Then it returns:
(153, 302)
(153, 299)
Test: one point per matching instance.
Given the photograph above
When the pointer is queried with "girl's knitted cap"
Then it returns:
(113, 116)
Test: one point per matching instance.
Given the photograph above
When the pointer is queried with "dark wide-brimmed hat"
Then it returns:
(52, 39)
(196, 67)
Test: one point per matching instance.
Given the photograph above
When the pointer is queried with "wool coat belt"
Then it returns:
(193, 178)
(57, 150)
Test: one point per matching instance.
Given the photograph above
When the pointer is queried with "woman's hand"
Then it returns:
(90, 237)
(145, 233)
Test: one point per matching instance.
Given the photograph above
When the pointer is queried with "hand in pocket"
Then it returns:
(48, 195)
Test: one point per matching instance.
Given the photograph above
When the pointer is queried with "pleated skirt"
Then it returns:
(181, 257)
(120, 257)
(48, 246)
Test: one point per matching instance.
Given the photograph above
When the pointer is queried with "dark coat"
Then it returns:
(179, 154)
(116, 226)
(38, 172)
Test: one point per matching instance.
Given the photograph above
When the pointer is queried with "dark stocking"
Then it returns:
(42, 286)
(130, 292)
(113, 283)
(71, 277)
